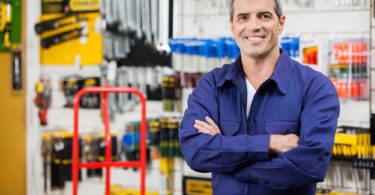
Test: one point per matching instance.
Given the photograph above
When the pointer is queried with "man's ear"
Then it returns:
(281, 24)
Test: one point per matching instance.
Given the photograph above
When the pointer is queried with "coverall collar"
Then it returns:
(280, 75)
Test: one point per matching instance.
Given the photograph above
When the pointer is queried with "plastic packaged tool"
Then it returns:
(349, 68)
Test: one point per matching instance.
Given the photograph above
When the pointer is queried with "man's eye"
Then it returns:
(243, 17)
(265, 16)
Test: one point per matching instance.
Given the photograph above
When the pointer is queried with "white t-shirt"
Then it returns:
(250, 95)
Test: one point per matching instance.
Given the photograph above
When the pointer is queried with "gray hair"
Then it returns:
(277, 8)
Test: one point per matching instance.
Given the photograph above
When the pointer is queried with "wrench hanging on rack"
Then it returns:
(122, 81)
(138, 19)
(146, 20)
(61, 37)
(155, 21)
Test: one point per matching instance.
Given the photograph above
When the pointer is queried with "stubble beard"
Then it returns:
(260, 53)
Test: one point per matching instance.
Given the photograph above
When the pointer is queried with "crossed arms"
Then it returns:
(278, 143)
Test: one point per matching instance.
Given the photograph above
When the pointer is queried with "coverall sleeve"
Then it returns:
(206, 153)
(308, 162)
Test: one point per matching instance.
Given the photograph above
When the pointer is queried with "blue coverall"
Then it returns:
(295, 99)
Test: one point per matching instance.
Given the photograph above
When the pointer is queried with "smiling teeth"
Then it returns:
(254, 38)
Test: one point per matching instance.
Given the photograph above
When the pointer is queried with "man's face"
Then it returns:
(256, 27)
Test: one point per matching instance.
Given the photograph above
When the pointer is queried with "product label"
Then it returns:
(84, 5)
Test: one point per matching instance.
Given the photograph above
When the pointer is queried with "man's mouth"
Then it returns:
(255, 39)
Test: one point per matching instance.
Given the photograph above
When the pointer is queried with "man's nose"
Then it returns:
(254, 24)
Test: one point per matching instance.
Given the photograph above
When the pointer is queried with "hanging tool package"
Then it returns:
(64, 20)
(56, 24)
(10, 24)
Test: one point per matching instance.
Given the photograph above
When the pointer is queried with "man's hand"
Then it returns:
(283, 143)
(208, 127)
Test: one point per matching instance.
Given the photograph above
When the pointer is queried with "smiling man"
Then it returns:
(264, 124)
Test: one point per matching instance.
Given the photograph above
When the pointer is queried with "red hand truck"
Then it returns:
(108, 151)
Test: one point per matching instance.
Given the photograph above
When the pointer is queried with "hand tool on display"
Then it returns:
(61, 37)
(17, 79)
(141, 80)
(90, 100)
(128, 142)
(167, 155)
(146, 20)
(131, 144)
(116, 42)
(10, 24)
(130, 15)
(5, 13)
(126, 78)
(130, 104)
(55, 23)
(155, 21)
(123, 22)
(131, 21)
(102, 147)
(122, 81)
(6, 21)
(164, 26)
(46, 151)
(109, 74)
(165, 97)
(151, 81)
(364, 65)
(108, 11)
(154, 127)
(138, 19)
(108, 45)
(91, 153)
(70, 88)
(61, 158)
(108, 162)
(103, 7)
(119, 47)
(111, 15)
(127, 45)
(111, 79)
(116, 12)
(43, 100)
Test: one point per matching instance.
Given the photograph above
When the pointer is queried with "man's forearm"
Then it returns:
(283, 143)
(204, 152)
